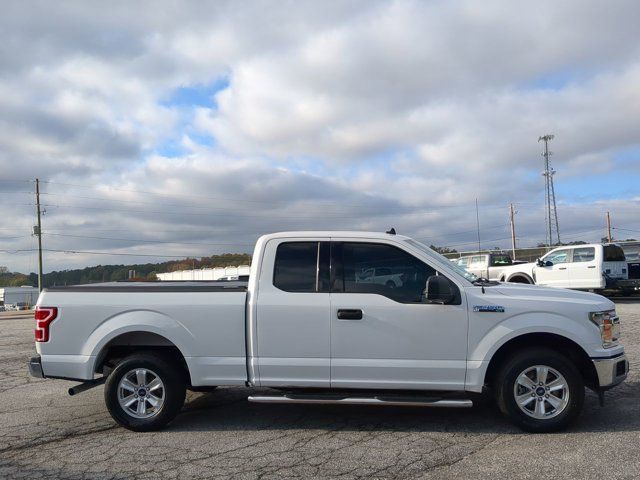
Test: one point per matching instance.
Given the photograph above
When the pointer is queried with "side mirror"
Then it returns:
(540, 263)
(439, 290)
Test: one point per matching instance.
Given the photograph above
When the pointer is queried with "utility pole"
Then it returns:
(551, 211)
(513, 231)
(609, 228)
(478, 224)
(38, 232)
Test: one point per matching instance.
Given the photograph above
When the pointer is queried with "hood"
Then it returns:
(524, 291)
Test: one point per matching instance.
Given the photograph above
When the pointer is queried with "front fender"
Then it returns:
(532, 322)
(521, 324)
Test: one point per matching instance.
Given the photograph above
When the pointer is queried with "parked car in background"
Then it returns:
(308, 326)
(486, 265)
(380, 276)
(22, 306)
(581, 267)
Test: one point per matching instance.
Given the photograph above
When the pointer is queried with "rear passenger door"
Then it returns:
(384, 336)
(292, 316)
(583, 271)
(478, 265)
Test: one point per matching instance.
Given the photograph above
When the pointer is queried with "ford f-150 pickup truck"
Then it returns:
(315, 328)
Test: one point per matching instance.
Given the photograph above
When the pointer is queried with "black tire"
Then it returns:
(173, 391)
(506, 383)
(206, 389)
(390, 284)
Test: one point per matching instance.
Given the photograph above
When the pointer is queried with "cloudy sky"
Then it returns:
(174, 129)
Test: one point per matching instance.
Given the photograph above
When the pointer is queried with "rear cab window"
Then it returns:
(613, 253)
(500, 260)
(302, 267)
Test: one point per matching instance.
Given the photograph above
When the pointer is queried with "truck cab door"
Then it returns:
(292, 314)
(554, 274)
(583, 270)
(387, 337)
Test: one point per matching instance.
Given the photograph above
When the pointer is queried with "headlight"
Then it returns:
(609, 325)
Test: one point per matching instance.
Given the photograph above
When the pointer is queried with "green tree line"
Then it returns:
(111, 273)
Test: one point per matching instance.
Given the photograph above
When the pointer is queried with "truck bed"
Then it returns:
(204, 320)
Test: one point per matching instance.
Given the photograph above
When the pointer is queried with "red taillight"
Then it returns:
(44, 317)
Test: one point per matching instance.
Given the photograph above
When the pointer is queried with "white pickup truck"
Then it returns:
(314, 329)
(581, 267)
(486, 265)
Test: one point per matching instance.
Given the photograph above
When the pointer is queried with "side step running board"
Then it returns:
(316, 399)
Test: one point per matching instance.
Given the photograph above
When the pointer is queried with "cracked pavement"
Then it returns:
(44, 433)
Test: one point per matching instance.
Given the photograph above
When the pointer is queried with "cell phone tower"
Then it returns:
(550, 209)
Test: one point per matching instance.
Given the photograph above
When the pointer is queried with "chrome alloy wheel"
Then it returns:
(141, 393)
(541, 392)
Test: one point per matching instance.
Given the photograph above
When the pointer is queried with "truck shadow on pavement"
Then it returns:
(227, 409)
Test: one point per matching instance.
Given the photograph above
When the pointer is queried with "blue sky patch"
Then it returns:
(201, 95)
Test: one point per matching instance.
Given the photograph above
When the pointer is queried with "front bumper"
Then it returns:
(35, 367)
(611, 371)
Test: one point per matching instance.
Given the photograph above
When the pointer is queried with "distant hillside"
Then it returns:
(109, 273)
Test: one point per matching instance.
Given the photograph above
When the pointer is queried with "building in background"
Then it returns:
(205, 273)
(25, 296)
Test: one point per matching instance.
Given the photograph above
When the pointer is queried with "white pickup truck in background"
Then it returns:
(581, 267)
(486, 265)
(313, 325)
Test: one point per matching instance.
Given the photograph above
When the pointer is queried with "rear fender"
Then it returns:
(137, 321)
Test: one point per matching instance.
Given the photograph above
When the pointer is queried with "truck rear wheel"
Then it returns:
(145, 392)
(540, 390)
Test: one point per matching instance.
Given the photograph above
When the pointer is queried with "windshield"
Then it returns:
(454, 266)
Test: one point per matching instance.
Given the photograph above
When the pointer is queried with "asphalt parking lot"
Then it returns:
(45, 433)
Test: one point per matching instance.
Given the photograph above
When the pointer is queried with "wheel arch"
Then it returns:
(558, 343)
(135, 331)
(136, 341)
(519, 277)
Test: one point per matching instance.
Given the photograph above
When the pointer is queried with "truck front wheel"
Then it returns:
(144, 392)
(540, 390)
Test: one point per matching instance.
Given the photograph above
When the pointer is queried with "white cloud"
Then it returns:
(336, 115)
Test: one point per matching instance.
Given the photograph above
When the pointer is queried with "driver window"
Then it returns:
(383, 270)
(557, 257)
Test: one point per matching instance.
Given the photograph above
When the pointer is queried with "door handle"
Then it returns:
(562, 268)
(350, 314)
(592, 266)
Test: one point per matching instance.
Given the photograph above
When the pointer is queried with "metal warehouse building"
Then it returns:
(13, 295)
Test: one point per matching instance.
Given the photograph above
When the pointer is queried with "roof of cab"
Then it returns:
(333, 233)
